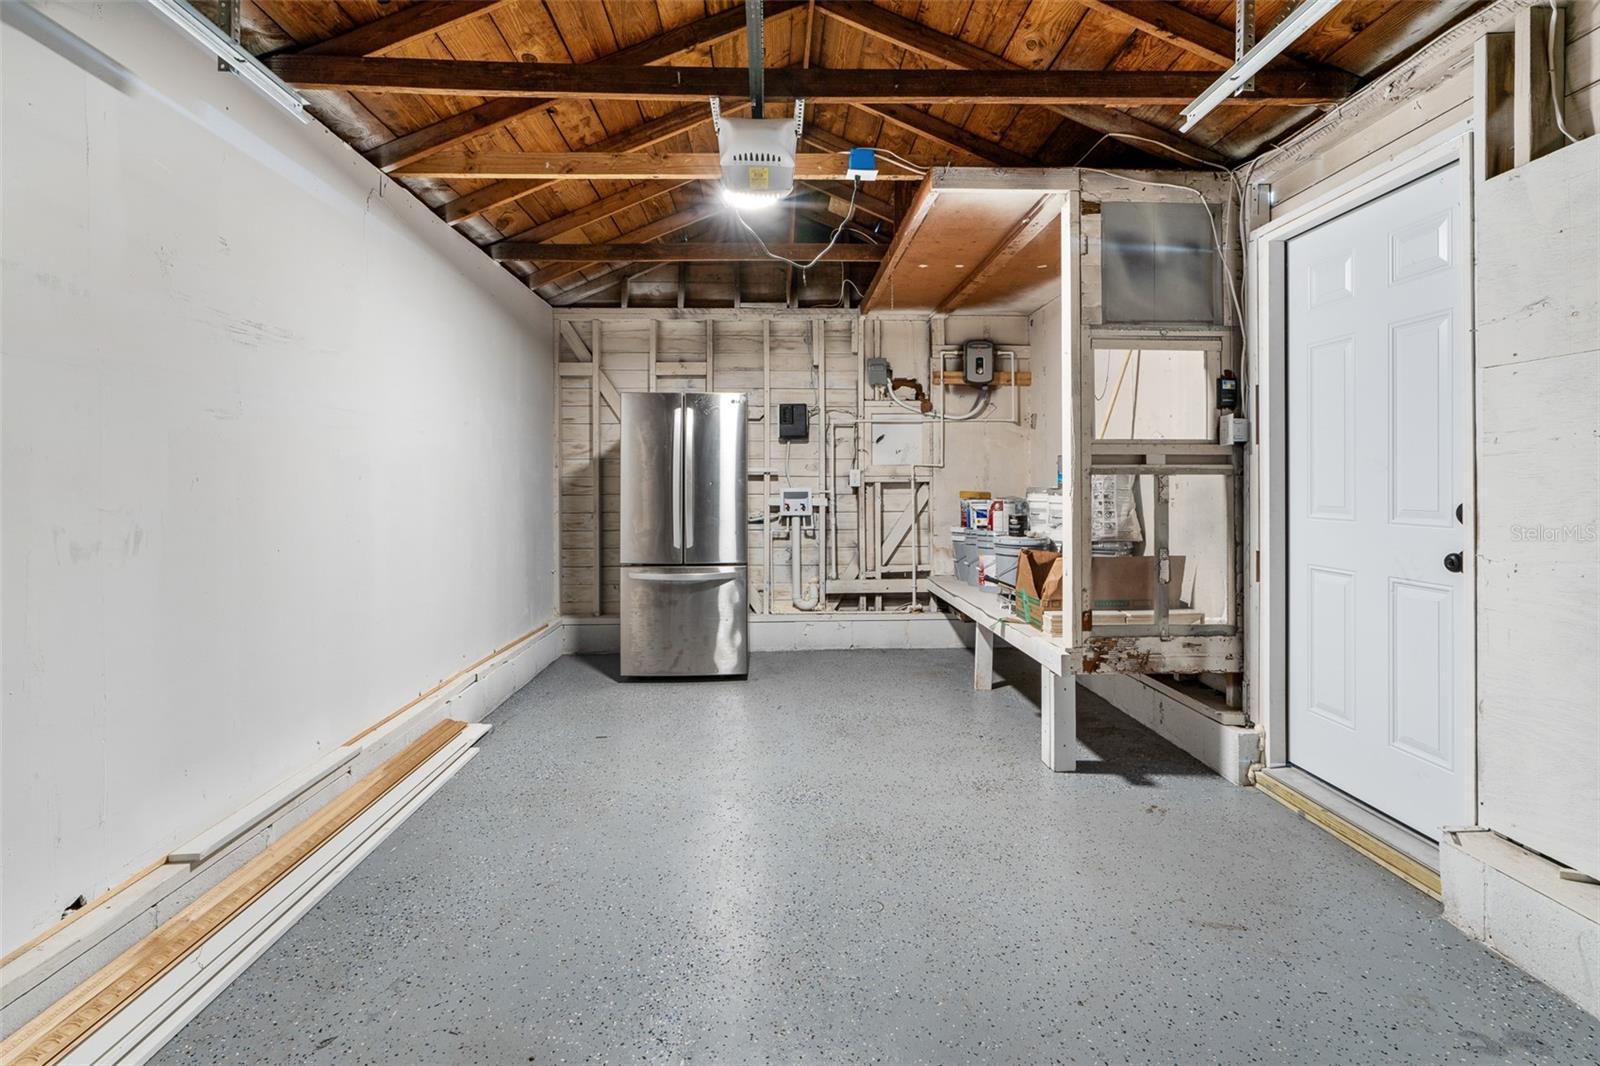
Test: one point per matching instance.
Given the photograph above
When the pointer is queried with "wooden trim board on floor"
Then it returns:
(1408, 868)
(77, 1015)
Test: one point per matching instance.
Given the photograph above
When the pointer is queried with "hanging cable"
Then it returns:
(855, 187)
(1555, 90)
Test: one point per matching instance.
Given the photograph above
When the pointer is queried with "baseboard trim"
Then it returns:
(1408, 856)
(1518, 905)
(1227, 749)
(50, 965)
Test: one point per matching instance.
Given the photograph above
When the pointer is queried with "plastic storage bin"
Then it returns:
(962, 548)
(1006, 551)
(983, 556)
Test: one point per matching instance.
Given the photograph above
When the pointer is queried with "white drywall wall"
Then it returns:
(277, 453)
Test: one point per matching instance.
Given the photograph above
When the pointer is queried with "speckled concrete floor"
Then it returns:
(854, 857)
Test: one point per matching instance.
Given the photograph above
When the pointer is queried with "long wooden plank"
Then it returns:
(1109, 88)
(57, 1031)
(492, 114)
(690, 252)
(915, 214)
(1181, 28)
(950, 51)
(1391, 859)
(620, 166)
(411, 23)
(948, 134)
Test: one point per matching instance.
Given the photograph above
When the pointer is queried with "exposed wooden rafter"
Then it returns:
(948, 134)
(953, 52)
(1181, 28)
(1107, 88)
(703, 252)
(598, 211)
(494, 113)
(566, 265)
(618, 166)
(403, 27)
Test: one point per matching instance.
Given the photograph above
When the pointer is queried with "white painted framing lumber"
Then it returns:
(1058, 694)
(1517, 904)
(258, 810)
(146, 1023)
(1228, 750)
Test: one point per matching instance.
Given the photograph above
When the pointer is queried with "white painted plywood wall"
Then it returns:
(1537, 310)
(277, 453)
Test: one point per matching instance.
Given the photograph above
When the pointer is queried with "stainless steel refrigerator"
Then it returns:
(685, 605)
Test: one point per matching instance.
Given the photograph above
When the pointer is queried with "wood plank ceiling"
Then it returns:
(615, 157)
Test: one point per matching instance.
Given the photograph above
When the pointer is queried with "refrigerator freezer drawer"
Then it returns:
(684, 621)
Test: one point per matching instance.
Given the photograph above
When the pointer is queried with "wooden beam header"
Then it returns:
(620, 166)
(1110, 88)
(684, 252)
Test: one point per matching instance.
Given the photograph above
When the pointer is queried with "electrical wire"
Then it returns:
(1216, 240)
(1555, 90)
(855, 188)
(1234, 286)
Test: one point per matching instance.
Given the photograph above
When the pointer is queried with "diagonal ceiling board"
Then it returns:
(953, 52)
(597, 211)
(947, 134)
(1041, 41)
(653, 231)
(1342, 40)
(417, 21)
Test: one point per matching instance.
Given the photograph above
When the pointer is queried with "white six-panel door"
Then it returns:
(1380, 417)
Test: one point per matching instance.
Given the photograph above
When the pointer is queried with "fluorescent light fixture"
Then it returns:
(1285, 33)
(225, 48)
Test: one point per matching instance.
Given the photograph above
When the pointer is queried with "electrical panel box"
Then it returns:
(794, 502)
(977, 362)
(878, 373)
(792, 422)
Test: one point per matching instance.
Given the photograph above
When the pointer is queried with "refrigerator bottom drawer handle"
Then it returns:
(685, 579)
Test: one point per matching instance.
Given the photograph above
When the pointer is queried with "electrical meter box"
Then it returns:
(977, 362)
(792, 423)
(795, 502)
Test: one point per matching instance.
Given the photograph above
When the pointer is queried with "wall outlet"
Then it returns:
(855, 477)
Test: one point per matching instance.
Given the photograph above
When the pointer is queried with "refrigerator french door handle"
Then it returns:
(677, 477)
(688, 474)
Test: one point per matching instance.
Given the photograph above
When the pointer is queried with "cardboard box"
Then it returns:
(1039, 576)
(1128, 582)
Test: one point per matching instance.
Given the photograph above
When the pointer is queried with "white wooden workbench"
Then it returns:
(1058, 694)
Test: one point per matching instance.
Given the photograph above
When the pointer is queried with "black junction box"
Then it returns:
(792, 421)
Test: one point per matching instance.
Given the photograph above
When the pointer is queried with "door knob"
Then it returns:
(1452, 562)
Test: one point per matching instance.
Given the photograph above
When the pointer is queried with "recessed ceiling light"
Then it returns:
(961, 266)
(922, 266)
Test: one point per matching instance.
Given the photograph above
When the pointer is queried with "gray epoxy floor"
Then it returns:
(854, 857)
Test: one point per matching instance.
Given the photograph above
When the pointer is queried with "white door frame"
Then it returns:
(1267, 648)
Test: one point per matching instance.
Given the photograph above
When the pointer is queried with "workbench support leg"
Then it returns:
(982, 659)
(1058, 720)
